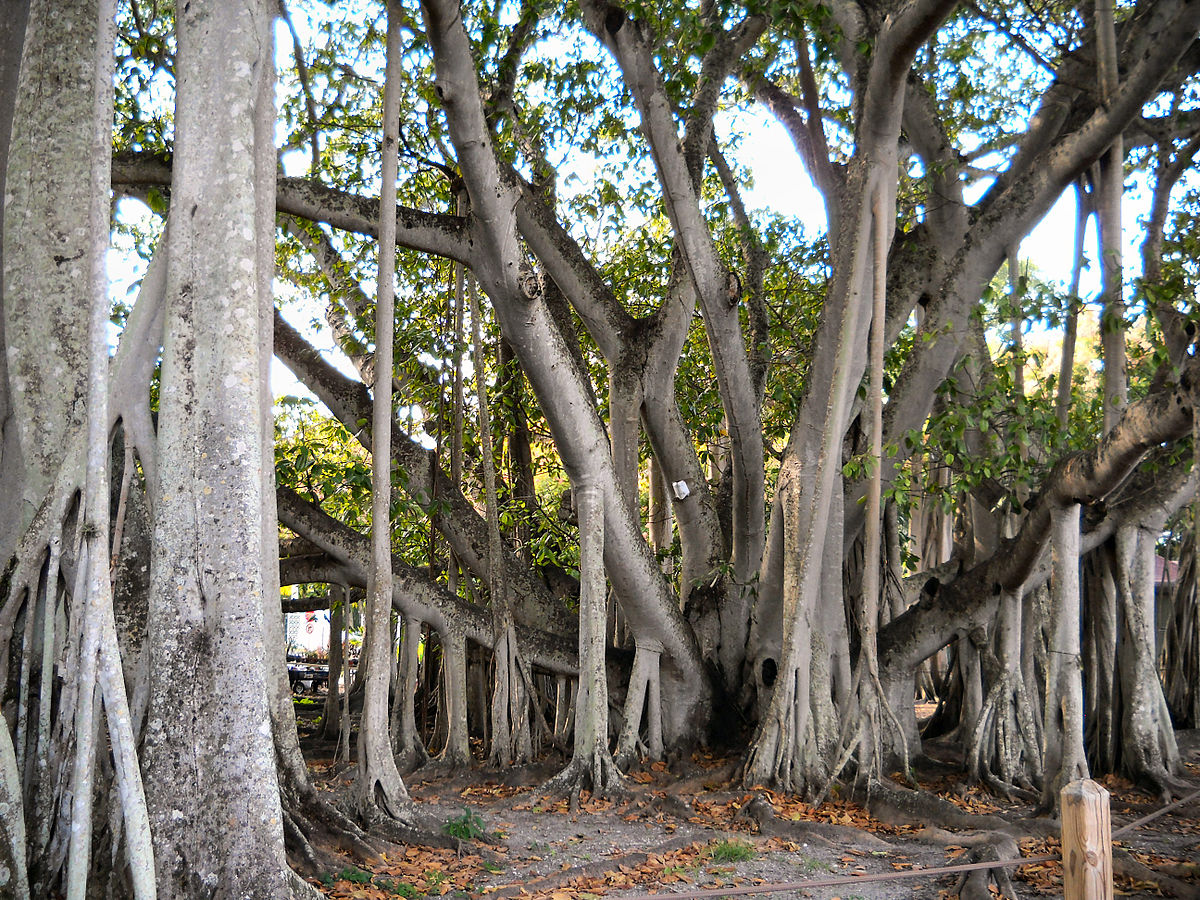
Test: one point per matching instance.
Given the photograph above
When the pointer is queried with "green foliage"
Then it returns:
(357, 876)
(434, 878)
(397, 887)
(318, 458)
(730, 851)
(467, 827)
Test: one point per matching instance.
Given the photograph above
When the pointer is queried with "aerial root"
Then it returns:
(599, 774)
(302, 855)
(312, 824)
(895, 805)
(976, 885)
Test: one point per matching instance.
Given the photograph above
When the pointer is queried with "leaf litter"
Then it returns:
(661, 837)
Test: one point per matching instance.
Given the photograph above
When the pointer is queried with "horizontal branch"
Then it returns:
(413, 592)
(1086, 478)
(437, 233)
(424, 480)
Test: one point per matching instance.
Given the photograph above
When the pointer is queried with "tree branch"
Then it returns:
(436, 233)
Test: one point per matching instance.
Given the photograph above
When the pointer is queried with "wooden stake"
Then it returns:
(1086, 842)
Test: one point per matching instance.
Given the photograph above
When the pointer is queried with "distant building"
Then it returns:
(307, 631)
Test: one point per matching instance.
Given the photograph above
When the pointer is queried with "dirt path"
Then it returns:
(691, 830)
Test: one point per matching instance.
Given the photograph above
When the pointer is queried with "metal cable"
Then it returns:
(900, 876)
(848, 879)
(1154, 815)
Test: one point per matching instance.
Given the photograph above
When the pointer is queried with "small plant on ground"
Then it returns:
(466, 827)
(731, 851)
(400, 889)
(679, 870)
(811, 864)
(434, 879)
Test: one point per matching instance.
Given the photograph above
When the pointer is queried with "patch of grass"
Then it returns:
(434, 878)
(811, 864)
(731, 851)
(399, 888)
(357, 876)
(466, 827)
(492, 867)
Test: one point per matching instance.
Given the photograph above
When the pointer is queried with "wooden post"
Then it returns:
(1086, 842)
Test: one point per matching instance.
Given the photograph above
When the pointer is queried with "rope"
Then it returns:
(1154, 815)
(849, 879)
(900, 876)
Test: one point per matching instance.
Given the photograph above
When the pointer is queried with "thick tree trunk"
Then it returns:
(208, 686)
(1149, 753)
(591, 764)
(457, 751)
(409, 749)
(13, 16)
(1064, 759)
(46, 236)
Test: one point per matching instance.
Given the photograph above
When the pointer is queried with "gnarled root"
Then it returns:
(976, 885)
(315, 829)
(600, 775)
(762, 813)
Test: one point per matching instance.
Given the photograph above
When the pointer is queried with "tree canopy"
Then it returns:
(668, 467)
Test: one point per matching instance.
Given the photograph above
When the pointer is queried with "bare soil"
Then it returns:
(690, 828)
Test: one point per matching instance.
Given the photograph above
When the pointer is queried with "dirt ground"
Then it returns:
(692, 829)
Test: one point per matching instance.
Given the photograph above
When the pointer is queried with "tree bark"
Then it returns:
(1110, 188)
(46, 238)
(1150, 755)
(1064, 759)
(591, 766)
(378, 783)
(14, 14)
(208, 687)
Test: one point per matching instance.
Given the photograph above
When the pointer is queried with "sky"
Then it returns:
(1049, 247)
(773, 161)
(780, 184)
